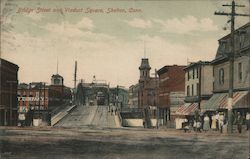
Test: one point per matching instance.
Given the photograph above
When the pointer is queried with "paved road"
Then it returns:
(125, 143)
(94, 116)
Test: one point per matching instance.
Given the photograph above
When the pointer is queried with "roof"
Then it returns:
(219, 59)
(134, 86)
(242, 43)
(195, 64)
(32, 85)
(4, 62)
(56, 76)
(236, 30)
(144, 64)
(94, 84)
(23, 86)
(165, 69)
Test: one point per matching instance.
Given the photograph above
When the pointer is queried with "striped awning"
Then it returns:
(237, 96)
(220, 101)
(213, 103)
(187, 109)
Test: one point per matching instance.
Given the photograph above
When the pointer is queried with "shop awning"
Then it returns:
(220, 101)
(237, 98)
(187, 109)
(213, 103)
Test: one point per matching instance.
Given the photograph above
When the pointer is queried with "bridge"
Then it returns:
(91, 116)
(94, 104)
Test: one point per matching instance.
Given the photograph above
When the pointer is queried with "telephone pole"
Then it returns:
(74, 90)
(232, 15)
(75, 74)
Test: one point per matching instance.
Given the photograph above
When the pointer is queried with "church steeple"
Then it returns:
(144, 69)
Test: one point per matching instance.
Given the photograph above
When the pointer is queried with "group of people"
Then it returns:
(216, 121)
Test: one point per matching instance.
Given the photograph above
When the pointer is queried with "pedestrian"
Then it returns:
(195, 125)
(206, 125)
(213, 125)
(248, 120)
(185, 125)
(239, 122)
(199, 124)
(221, 121)
(217, 116)
(111, 111)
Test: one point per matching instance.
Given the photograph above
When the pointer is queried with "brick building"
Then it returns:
(57, 83)
(33, 96)
(171, 90)
(39, 99)
(147, 86)
(8, 92)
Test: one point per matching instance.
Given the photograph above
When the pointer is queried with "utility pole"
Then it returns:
(39, 113)
(231, 59)
(75, 75)
(156, 100)
(117, 96)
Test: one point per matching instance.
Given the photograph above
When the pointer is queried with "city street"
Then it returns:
(121, 143)
(92, 132)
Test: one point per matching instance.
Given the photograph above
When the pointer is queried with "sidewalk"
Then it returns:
(173, 131)
(235, 133)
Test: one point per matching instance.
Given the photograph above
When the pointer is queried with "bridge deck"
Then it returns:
(89, 116)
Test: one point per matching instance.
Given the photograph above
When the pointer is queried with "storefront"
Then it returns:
(185, 113)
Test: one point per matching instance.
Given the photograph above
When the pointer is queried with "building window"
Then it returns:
(197, 89)
(197, 73)
(57, 81)
(188, 91)
(188, 75)
(221, 76)
(193, 73)
(242, 38)
(192, 90)
(240, 72)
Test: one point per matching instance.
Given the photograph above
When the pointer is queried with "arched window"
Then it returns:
(221, 76)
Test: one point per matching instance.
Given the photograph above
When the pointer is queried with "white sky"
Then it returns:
(110, 45)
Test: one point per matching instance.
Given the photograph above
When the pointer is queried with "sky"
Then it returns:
(108, 38)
